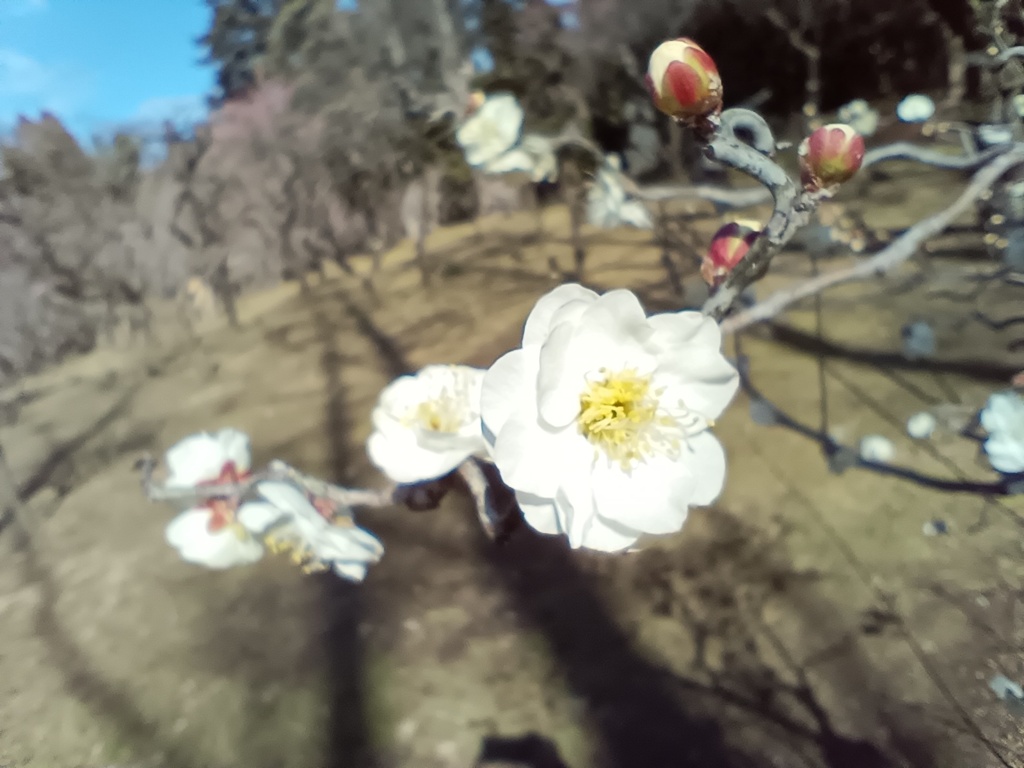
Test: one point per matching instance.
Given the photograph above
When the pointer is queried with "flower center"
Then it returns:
(625, 418)
(441, 414)
(445, 407)
(283, 542)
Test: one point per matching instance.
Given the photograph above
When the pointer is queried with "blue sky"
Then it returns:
(60, 55)
(100, 64)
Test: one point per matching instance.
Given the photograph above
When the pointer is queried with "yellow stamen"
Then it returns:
(624, 418)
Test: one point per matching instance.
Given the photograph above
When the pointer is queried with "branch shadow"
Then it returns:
(108, 701)
(349, 744)
(629, 700)
(980, 370)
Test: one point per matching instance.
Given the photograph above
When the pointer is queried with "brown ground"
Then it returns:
(804, 621)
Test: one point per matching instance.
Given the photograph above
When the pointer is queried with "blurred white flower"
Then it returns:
(289, 522)
(1003, 419)
(535, 155)
(877, 448)
(209, 534)
(608, 204)
(915, 108)
(426, 424)
(921, 425)
(993, 134)
(600, 421)
(859, 115)
(224, 547)
(491, 130)
(221, 457)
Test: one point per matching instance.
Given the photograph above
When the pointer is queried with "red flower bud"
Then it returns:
(831, 155)
(729, 245)
(684, 81)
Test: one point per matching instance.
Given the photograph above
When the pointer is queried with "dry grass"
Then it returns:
(803, 621)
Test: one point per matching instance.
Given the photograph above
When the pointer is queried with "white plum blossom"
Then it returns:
(860, 116)
(1003, 419)
(915, 108)
(290, 522)
(600, 421)
(226, 547)
(608, 204)
(491, 130)
(921, 425)
(492, 140)
(877, 448)
(210, 534)
(426, 424)
(204, 457)
(534, 155)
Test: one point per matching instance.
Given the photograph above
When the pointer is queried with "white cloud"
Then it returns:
(175, 108)
(13, 8)
(21, 74)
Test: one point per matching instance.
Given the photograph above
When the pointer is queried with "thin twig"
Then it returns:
(792, 205)
(277, 470)
(885, 260)
(1007, 485)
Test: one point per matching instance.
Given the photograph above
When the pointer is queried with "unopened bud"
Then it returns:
(728, 247)
(474, 102)
(683, 81)
(831, 155)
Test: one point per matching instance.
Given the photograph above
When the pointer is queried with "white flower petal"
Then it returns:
(539, 321)
(610, 334)
(673, 330)
(258, 516)
(347, 544)
(513, 160)
(195, 459)
(605, 536)
(654, 497)
(689, 356)
(403, 460)
(286, 497)
(189, 533)
(351, 571)
(540, 513)
(530, 456)
(236, 447)
(506, 384)
(492, 130)
(1005, 454)
(1004, 412)
(635, 214)
(707, 462)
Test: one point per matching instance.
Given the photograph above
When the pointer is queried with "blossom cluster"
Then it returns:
(222, 530)
(599, 424)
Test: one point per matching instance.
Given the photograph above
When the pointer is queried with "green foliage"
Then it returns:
(237, 41)
(300, 35)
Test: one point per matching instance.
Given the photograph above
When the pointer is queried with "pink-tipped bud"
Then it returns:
(831, 155)
(728, 247)
(683, 81)
(474, 102)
